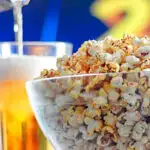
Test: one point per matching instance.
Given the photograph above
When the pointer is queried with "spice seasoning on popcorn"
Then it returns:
(109, 107)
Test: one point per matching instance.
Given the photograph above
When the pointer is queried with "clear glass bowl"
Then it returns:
(94, 111)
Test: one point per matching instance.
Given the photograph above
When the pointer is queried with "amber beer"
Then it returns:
(18, 127)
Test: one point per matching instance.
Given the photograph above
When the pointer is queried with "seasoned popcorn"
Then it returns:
(106, 105)
(110, 120)
(108, 55)
(92, 112)
(113, 96)
(117, 82)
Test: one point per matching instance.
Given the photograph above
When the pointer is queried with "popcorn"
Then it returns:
(87, 120)
(148, 131)
(140, 127)
(124, 131)
(142, 81)
(102, 93)
(88, 95)
(146, 102)
(120, 146)
(141, 41)
(106, 86)
(125, 67)
(89, 146)
(139, 130)
(65, 115)
(143, 52)
(86, 135)
(132, 77)
(94, 125)
(105, 57)
(76, 119)
(78, 84)
(118, 56)
(132, 60)
(80, 109)
(103, 140)
(62, 100)
(136, 136)
(144, 140)
(147, 146)
(146, 72)
(139, 146)
(113, 96)
(145, 111)
(110, 120)
(132, 116)
(70, 84)
(117, 82)
(147, 93)
(109, 107)
(116, 108)
(145, 64)
(113, 66)
(130, 98)
(132, 87)
(74, 94)
(100, 100)
(92, 112)
(105, 108)
(71, 133)
(124, 87)
(73, 121)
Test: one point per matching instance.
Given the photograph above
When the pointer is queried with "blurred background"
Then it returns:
(71, 21)
(75, 20)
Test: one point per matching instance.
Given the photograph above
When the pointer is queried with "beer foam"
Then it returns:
(24, 67)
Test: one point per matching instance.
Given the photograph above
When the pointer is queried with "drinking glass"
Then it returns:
(18, 127)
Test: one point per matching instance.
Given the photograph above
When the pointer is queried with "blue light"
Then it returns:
(49, 32)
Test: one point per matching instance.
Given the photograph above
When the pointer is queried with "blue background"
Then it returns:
(54, 20)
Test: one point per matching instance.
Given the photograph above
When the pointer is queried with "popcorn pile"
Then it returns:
(109, 55)
(107, 108)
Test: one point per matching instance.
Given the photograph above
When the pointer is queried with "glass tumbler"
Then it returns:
(18, 127)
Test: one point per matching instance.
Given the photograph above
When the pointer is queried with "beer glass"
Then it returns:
(18, 127)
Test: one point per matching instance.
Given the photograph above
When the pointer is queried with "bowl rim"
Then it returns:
(85, 75)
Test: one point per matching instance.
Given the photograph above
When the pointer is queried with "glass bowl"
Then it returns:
(106, 111)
